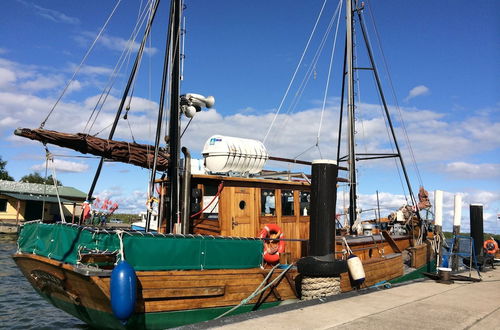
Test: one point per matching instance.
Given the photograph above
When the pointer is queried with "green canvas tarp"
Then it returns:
(64, 242)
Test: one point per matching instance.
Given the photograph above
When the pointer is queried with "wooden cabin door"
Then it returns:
(243, 215)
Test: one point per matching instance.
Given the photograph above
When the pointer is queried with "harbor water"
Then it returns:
(20, 306)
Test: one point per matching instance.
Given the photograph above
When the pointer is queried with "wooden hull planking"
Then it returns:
(173, 294)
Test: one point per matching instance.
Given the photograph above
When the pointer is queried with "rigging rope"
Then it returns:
(124, 57)
(308, 74)
(379, 43)
(63, 219)
(311, 69)
(49, 157)
(295, 73)
(329, 74)
(81, 64)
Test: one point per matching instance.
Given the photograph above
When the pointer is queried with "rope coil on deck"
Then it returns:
(318, 287)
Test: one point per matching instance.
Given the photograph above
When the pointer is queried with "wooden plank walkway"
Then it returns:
(419, 305)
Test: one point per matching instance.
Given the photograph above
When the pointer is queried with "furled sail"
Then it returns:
(132, 153)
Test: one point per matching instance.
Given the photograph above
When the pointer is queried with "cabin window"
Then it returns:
(242, 205)
(210, 202)
(305, 201)
(268, 202)
(287, 203)
(3, 205)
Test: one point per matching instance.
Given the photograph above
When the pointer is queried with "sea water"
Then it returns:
(20, 306)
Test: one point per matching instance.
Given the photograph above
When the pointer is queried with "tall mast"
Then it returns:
(173, 133)
(166, 63)
(348, 71)
(350, 112)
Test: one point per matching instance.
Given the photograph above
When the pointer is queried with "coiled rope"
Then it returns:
(318, 287)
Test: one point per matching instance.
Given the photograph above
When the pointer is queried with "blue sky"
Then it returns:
(442, 56)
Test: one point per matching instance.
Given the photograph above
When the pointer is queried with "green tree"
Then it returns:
(37, 178)
(4, 175)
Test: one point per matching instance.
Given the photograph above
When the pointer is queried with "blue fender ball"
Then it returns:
(123, 290)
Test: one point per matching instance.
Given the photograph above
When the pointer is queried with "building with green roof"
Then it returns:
(21, 201)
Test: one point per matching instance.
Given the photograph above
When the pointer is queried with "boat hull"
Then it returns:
(165, 298)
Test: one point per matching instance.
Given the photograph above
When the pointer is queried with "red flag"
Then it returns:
(105, 204)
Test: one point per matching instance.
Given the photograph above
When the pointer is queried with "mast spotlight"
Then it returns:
(192, 103)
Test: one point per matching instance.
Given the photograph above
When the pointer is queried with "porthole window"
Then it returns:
(242, 205)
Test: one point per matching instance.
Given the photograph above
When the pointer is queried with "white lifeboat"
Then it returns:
(225, 154)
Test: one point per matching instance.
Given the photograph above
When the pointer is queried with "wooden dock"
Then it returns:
(418, 305)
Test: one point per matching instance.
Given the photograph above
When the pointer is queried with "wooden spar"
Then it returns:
(125, 152)
(297, 161)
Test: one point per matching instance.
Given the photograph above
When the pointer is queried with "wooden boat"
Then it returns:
(208, 262)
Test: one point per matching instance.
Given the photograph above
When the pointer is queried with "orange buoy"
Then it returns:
(490, 246)
(272, 249)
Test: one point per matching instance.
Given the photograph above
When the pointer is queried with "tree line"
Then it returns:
(34, 177)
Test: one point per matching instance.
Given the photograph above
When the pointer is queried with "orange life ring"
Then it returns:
(491, 246)
(272, 249)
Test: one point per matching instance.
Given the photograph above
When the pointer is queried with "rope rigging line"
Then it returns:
(311, 69)
(358, 93)
(310, 72)
(329, 74)
(296, 70)
(50, 157)
(386, 66)
(75, 156)
(392, 146)
(124, 57)
(185, 128)
(81, 64)
(130, 129)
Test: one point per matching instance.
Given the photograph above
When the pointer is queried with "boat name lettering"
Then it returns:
(44, 279)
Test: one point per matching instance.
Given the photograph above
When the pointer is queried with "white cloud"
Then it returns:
(113, 43)
(417, 91)
(50, 14)
(93, 70)
(119, 44)
(62, 166)
(7, 77)
(42, 83)
(8, 122)
(75, 85)
(463, 170)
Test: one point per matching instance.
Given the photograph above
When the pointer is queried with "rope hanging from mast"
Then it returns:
(395, 97)
(295, 73)
(125, 93)
(329, 74)
(118, 66)
(42, 124)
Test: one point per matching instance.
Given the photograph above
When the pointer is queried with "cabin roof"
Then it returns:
(249, 180)
(14, 187)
